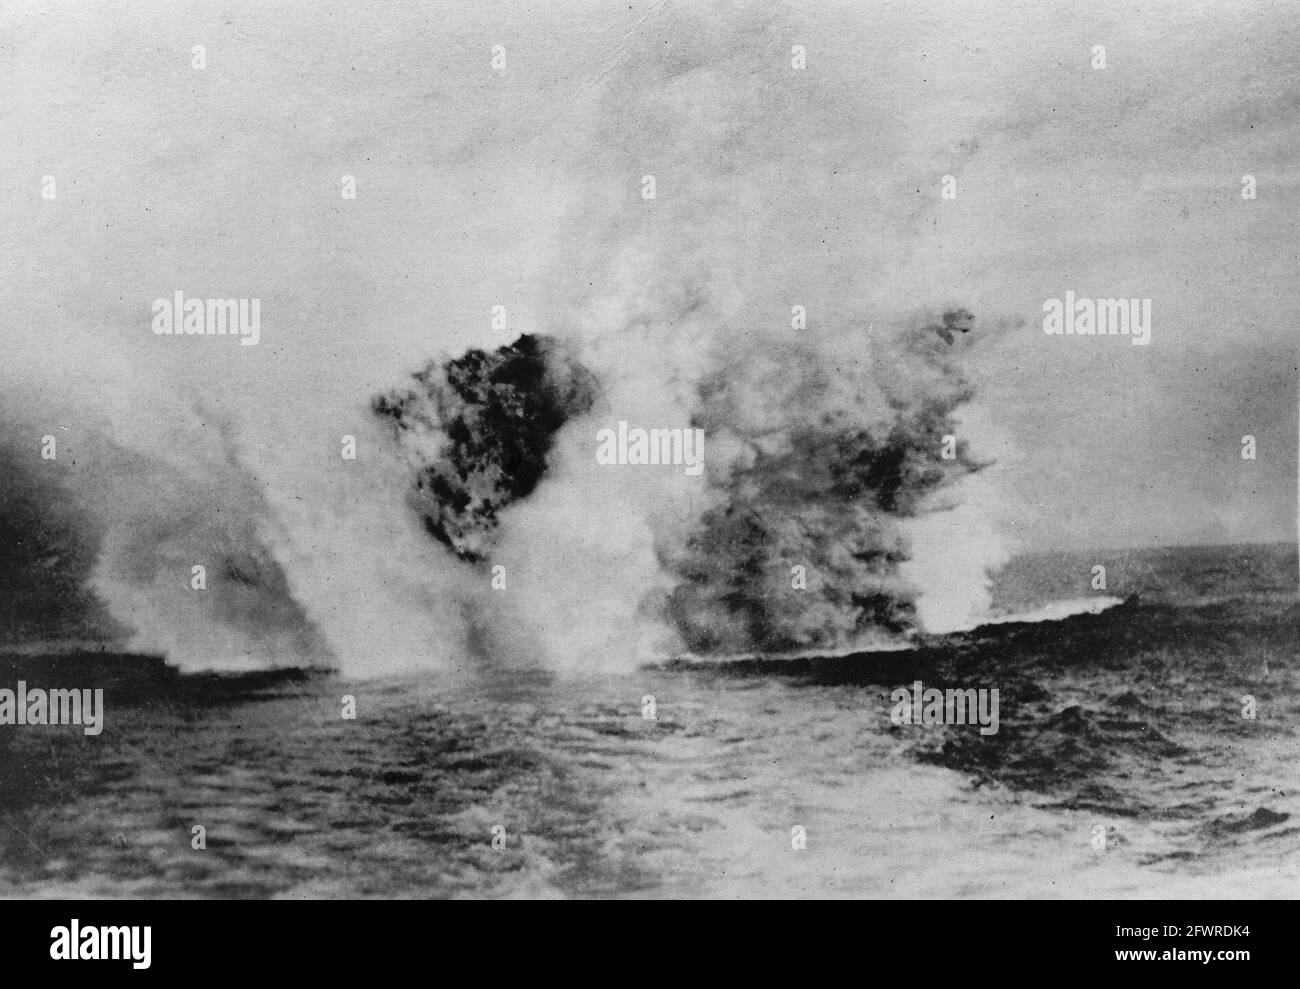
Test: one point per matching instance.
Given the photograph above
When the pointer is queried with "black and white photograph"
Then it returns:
(649, 450)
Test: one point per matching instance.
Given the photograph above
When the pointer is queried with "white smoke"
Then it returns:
(961, 539)
(772, 190)
(685, 316)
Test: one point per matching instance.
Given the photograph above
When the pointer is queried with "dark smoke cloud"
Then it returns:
(492, 417)
(815, 484)
(830, 497)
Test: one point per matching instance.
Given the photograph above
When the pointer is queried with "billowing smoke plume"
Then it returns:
(199, 507)
(735, 266)
(820, 466)
(698, 235)
(487, 422)
(804, 548)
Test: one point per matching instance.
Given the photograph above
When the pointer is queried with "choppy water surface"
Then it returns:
(1128, 720)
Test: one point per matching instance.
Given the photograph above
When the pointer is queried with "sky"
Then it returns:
(821, 185)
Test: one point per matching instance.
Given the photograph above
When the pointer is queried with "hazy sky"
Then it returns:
(476, 187)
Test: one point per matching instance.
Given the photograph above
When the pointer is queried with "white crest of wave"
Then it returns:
(1054, 611)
